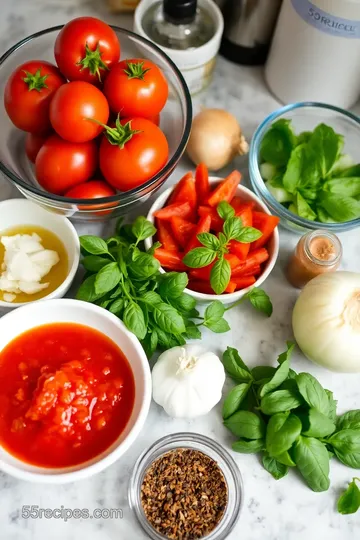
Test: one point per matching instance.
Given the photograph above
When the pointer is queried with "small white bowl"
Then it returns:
(36, 314)
(15, 212)
(272, 246)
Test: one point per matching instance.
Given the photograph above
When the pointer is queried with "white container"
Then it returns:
(57, 311)
(196, 65)
(315, 53)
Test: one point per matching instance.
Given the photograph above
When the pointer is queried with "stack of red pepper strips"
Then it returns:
(190, 210)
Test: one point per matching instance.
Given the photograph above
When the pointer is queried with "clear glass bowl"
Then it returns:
(175, 122)
(305, 117)
(209, 447)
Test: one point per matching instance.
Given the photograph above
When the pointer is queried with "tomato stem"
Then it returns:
(136, 70)
(118, 135)
(93, 61)
(34, 80)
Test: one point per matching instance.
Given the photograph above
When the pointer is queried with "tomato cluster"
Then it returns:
(72, 114)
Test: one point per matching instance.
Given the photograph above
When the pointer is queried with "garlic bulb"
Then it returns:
(187, 381)
(326, 321)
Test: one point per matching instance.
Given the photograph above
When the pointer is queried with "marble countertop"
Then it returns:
(283, 510)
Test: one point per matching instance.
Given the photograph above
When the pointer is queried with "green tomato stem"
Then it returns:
(35, 81)
(118, 135)
(136, 70)
(93, 61)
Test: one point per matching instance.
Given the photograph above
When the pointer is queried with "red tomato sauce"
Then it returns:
(66, 394)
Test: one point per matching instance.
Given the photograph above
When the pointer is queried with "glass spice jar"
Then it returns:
(212, 449)
(317, 252)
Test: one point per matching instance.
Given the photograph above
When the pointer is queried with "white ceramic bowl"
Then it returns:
(272, 246)
(15, 212)
(32, 315)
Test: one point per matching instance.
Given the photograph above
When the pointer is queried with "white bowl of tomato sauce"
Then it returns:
(75, 390)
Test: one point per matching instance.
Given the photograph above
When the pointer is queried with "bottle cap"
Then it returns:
(180, 11)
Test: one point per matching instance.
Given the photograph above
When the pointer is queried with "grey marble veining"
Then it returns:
(284, 510)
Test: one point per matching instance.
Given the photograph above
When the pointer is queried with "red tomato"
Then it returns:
(72, 107)
(33, 143)
(136, 87)
(85, 49)
(137, 156)
(61, 165)
(28, 93)
(94, 189)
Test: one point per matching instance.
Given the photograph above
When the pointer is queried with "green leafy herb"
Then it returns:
(94, 245)
(235, 367)
(225, 210)
(234, 399)
(346, 445)
(280, 401)
(220, 276)
(313, 393)
(277, 143)
(248, 447)
(282, 431)
(209, 240)
(274, 467)
(246, 424)
(349, 420)
(142, 228)
(316, 424)
(312, 460)
(134, 320)
(260, 300)
(199, 257)
(349, 501)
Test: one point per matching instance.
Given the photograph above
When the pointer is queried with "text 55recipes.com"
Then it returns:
(35, 512)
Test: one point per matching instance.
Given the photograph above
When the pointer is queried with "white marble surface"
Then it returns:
(284, 510)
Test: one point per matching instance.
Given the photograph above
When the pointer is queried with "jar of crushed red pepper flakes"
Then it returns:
(317, 252)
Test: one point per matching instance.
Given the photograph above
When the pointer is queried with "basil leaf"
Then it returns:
(142, 228)
(293, 175)
(285, 356)
(349, 501)
(332, 406)
(199, 257)
(93, 244)
(150, 343)
(154, 247)
(346, 444)
(248, 235)
(274, 467)
(168, 319)
(94, 263)
(260, 301)
(225, 210)
(222, 239)
(117, 306)
(316, 424)
(235, 367)
(285, 459)
(220, 276)
(349, 420)
(166, 340)
(172, 284)
(232, 228)
(151, 298)
(277, 143)
(113, 241)
(218, 327)
(209, 240)
(354, 170)
(87, 291)
(144, 266)
(340, 208)
(304, 210)
(323, 216)
(312, 460)
(214, 312)
(234, 399)
(262, 372)
(282, 431)
(313, 393)
(280, 401)
(246, 424)
(248, 447)
(192, 331)
(107, 278)
(303, 137)
(184, 303)
(279, 377)
(327, 146)
(347, 187)
(134, 320)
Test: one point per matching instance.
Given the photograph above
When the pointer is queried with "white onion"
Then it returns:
(326, 321)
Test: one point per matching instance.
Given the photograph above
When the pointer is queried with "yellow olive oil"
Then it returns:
(57, 274)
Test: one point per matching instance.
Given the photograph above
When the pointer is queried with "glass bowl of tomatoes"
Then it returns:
(76, 136)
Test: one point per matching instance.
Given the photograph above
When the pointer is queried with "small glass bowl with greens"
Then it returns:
(304, 163)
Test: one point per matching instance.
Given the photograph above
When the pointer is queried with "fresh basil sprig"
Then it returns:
(125, 279)
(215, 247)
(292, 420)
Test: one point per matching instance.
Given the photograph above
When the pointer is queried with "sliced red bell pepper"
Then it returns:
(237, 203)
(165, 236)
(171, 260)
(266, 224)
(239, 249)
(254, 271)
(183, 210)
(182, 230)
(254, 259)
(200, 286)
(231, 287)
(204, 273)
(202, 182)
(184, 191)
(203, 226)
(245, 213)
(243, 282)
(226, 190)
(216, 221)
